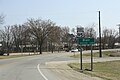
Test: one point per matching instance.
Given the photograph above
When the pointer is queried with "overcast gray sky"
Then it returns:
(63, 12)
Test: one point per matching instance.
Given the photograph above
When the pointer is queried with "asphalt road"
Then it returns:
(34, 68)
(30, 68)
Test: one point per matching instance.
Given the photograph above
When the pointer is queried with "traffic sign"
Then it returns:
(80, 32)
(86, 40)
(80, 29)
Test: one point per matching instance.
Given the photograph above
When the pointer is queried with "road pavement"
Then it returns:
(36, 68)
(30, 68)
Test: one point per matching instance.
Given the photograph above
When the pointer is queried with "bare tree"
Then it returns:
(105, 36)
(109, 38)
(73, 31)
(19, 35)
(67, 38)
(54, 37)
(112, 38)
(90, 31)
(65, 32)
(1, 19)
(40, 30)
(25, 38)
(7, 39)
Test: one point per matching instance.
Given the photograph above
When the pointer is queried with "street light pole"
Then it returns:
(100, 51)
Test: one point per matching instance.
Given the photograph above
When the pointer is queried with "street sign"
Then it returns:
(80, 29)
(86, 41)
(80, 32)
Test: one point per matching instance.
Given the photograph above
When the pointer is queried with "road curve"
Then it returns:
(29, 68)
(34, 68)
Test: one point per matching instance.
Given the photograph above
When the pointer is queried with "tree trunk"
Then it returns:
(40, 48)
(103, 46)
(7, 49)
(52, 48)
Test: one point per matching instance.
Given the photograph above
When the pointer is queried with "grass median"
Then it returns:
(107, 70)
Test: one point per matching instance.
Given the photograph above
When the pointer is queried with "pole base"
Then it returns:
(88, 70)
(81, 71)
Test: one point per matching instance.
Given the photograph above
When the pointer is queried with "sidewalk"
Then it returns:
(64, 72)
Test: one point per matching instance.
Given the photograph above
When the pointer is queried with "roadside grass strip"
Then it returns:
(107, 70)
(96, 54)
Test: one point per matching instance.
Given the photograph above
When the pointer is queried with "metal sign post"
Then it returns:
(85, 41)
(91, 58)
(80, 58)
(80, 34)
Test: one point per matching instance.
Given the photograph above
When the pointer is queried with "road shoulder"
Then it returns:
(64, 72)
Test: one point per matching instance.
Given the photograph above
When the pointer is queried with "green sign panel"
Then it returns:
(86, 40)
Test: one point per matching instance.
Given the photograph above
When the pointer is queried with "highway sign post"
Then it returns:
(86, 41)
(80, 34)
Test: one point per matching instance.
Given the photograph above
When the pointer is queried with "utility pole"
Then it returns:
(100, 51)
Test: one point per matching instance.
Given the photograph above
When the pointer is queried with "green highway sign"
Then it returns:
(85, 40)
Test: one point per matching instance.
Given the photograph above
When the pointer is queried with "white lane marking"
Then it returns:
(41, 72)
